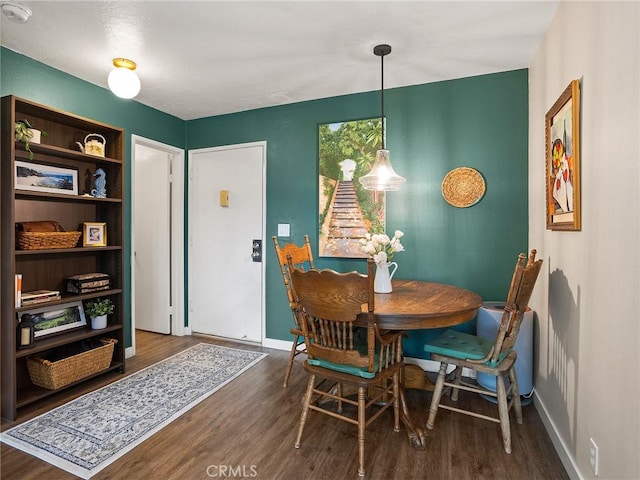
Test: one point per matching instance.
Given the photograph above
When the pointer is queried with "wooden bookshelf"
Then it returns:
(48, 269)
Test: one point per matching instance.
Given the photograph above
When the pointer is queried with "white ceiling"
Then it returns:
(197, 59)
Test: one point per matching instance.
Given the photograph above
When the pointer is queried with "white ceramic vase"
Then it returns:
(382, 280)
(35, 135)
(98, 323)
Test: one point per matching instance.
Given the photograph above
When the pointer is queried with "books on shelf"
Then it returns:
(39, 296)
(18, 290)
(88, 282)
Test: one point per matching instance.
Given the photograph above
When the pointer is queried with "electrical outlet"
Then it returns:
(593, 456)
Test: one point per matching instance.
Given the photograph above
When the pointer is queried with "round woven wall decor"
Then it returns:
(463, 187)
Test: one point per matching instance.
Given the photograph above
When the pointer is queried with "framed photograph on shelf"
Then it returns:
(562, 179)
(56, 319)
(94, 234)
(36, 177)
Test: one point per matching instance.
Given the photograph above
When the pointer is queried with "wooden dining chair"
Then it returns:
(300, 256)
(329, 303)
(497, 357)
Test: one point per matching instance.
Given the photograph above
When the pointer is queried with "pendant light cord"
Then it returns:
(382, 99)
(381, 51)
(382, 177)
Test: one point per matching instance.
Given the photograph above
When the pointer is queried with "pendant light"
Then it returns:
(382, 177)
(122, 80)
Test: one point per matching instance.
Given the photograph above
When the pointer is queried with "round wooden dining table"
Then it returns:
(414, 305)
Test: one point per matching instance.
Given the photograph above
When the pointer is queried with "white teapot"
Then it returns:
(93, 146)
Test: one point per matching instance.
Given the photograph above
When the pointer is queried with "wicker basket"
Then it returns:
(463, 187)
(43, 240)
(54, 375)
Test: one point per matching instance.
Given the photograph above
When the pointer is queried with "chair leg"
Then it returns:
(305, 408)
(457, 377)
(437, 393)
(515, 391)
(396, 403)
(503, 411)
(362, 394)
(292, 355)
(339, 395)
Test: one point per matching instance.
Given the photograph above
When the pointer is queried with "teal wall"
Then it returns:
(26, 78)
(479, 122)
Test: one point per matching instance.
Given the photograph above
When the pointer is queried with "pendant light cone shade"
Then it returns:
(122, 80)
(382, 176)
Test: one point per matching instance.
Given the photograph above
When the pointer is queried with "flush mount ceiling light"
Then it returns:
(382, 177)
(14, 11)
(122, 80)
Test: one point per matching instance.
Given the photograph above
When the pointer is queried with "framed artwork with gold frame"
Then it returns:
(94, 234)
(562, 173)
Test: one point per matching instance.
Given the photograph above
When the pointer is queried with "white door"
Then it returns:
(225, 283)
(157, 235)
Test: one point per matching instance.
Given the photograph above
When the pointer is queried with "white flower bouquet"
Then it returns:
(381, 247)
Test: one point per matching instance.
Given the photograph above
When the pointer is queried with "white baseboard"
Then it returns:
(564, 453)
(426, 365)
(277, 344)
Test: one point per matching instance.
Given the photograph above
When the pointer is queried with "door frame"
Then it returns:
(190, 153)
(177, 235)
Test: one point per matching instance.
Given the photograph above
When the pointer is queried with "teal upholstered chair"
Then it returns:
(496, 357)
(338, 351)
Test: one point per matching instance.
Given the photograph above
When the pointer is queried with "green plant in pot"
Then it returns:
(98, 310)
(25, 133)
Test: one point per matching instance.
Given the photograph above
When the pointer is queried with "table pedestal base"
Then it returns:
(417, 435)
(413, 377)
(416, 377)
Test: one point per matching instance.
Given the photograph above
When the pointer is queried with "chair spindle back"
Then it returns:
(329, 303)
(522, 283)
(299, 256)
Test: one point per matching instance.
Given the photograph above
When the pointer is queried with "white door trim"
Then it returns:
(263, 145)
(177, 240)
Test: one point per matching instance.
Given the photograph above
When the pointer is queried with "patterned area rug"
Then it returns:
(90, 432)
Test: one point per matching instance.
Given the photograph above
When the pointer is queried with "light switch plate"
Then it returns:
(284, 230)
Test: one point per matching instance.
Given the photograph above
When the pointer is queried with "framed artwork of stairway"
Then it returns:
(346, 211)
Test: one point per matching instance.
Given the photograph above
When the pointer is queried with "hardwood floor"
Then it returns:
(247, 430)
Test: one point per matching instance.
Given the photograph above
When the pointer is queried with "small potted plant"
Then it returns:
(98, 310)
(26, 134)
